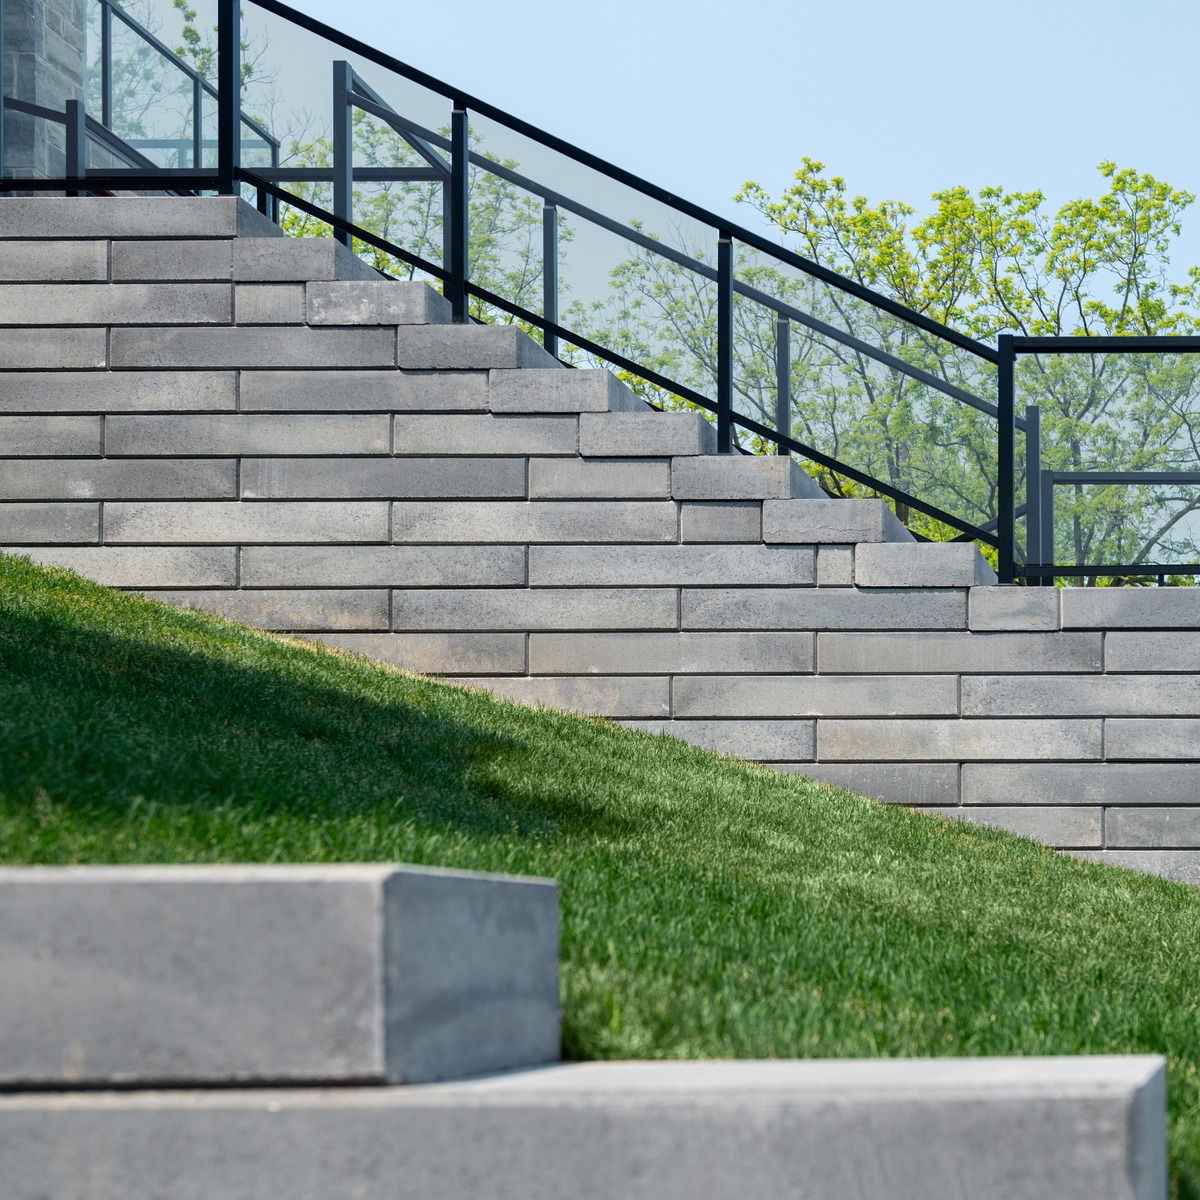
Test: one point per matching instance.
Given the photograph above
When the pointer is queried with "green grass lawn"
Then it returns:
(710, 908)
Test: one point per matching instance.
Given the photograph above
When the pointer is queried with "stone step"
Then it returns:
(837, 522)
(142, 217)
(922, 565)
(1089, 1128)
(270, 975)
(741, 477)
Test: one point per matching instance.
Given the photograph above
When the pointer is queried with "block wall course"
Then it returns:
(74, 304)
(1130, 608)
(49, 524)
(911, 784)
(268, 303)
(1159, 653)
(835, 521)
(1158, 739)
(186, 261)
(54, 262)
(1180, 865)
(438, 653)
(614, 521)
(378, 302)
(468, 348)
(118, 479)
(143, 566)
(1082, 696)
(1014, 609)
(92, 217)
(922, 565)
(379, 390)
(220, 522)
(764, 741)
(485, 434)
(796, 608)
(593, 695)
(578, 566)
(632, 435)
(578, 391)
(604, 479)
(264, 346)
(118, 391)
(815, 695)
(725, 477)
(959, 740)
(49, 437)
(192, 434)
(1066, 827)
(954, 652)
(669, 653)
(298, 609)
(382, 478)
(52, 349)
(1158, 828)
(534, 610)
(1080, 783)
(835, 566)
(708, 521)
(383, 566)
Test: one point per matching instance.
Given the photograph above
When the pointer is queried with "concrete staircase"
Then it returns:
(196, 408)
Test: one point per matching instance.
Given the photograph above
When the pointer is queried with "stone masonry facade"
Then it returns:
(196, 408)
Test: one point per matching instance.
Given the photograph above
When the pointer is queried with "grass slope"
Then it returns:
(710, 908)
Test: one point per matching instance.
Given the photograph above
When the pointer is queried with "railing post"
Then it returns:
(550, 275)
(197, 124)
(1033, 488)
(1006, 481)
(460, 233)
(76, 142)
(724, 343)
(106, 50)
(783, 380)
(229, 95)
(2, 62)
(343, 149)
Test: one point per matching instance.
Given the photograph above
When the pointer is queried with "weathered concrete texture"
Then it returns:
(268, 303)
(1152, 652)
(382, 302)
(577, 391)
(438, 435)
(598, 521)
(815, 695)
(795, 608)
(835, 566)
(765, 741)
(173, 523)
(54, 262)
(1082, 696)
(300, 609)
(107, 304)
(262, 346)
(381, 478)
(924, 565)
(845, 521)
(1088, 1128)
(143, 566)
(1016, 609)
(670, 653)
(49, 437)
(118, 391)
(719, 521)
(52, 349)
(298, 259)
(468, 348)
(142, 975)
(904, 653)
(1183, 866)
(35, 524)
(1158, 739)
(438, 653)
(576, 566)
(593, 695)
(633, 435)
(604, 479)
(383, 566)
(912, 784)
(153, 261)
(1159, 828)
(503, 609)
(1079, 783)
(1130, 608)
(110, 479)
(733, 477)
(95, 217)
(1066, 827)
(961, 741)
(363, 391)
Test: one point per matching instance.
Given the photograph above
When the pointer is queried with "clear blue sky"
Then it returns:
(900, 98)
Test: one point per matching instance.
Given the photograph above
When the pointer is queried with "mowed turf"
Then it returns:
(710, 908)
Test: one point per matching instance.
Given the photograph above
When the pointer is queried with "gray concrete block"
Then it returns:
(669, 653)
(1064, 827)
(910, 784)
(218, 522)
(717, 521)
(118, 391)
(761, 741)
(960, 740)
(576, 566)
(738, 477)
(383, 566)
(144, 566)
(576, 391)
(593, 695)
(1157, 652)
(383, 478)
(543, 609)
(35, 524)
(835, 566)
(834, 521)
(1159, 828)
(468, 348)
(273, 974)
(113, 479)
(800, 608)
(52, 349)
(126, 216)
(484, 434)
(815, 696)
(247, 433)
(1130, 608)
(115, 304)
(1086, 1128)
(363, 391)
(49, 437)
(639, 435)
(1015, 609)
(933, 565)
(614, 521)
(1183, 866)
(1081, 696)
(299, 609)
(260, 346)
(438, 653)
(151, 261)
(605, 479)
(54, 262)
(268, 303)
(296, 260)
(958, 653)
(1080, 783)
(1157, 739)
(381, 302)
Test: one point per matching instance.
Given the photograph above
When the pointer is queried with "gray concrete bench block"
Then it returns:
(194, 434)
(961, 741)
(182, 260)
(835, 566)
(1078, 828)
(910, 784)
(835, 521)
(639, 435)
(1158, 739)
(50, 524)
(52, 349)
(814, 696)
(518, 609)
(383, 478)
(797, 608)
(1088, 1128)
(468, 348)
(576, 391)
(485, 434)
(1158, 828)
(438, 653)
(54, 262)
(297, 260)
(118, 479)
(144, 566)
(764, 741)
(669, 653)
(1157, 652)
(72, 304)
(1130, 608)
(922, 565)
(118, 391)
(380, 302)
(49, 437)
(132, 217)
(297, 610)
(1015, 609)
(720, 521)
(577, 566)
(599, 479)
(273, 974)
(383, 566)
(593, 695)
(958, 653)
(738, 477)
(1183, 866)
(268, 303)
(216, 522)
(261, 346)
(1080, 783)
(1081, 696)
(602, 521)
(363, 391)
